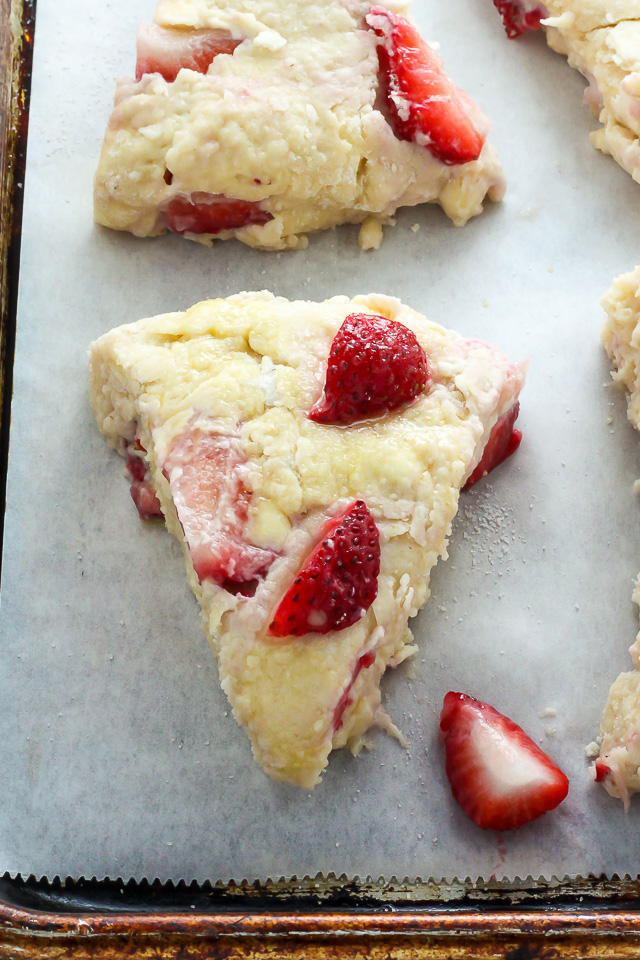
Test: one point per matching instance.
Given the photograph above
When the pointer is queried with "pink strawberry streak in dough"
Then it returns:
(167, 51)
(365, 661)
(142, 491)
(207, 479)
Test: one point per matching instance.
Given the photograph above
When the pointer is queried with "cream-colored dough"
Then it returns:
(601, 39)
(291, 120)
(249, 368)
(620, 728)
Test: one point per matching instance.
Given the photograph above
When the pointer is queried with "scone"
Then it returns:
(618, 766)
(309, 457)
(601, 38)
(269, 119)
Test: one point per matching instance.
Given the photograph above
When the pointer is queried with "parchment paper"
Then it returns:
(118, 752)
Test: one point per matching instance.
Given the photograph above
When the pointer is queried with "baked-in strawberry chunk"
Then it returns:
(520, 16)
(142, 490)
(339, 580)
(497, 774)
(375, 365)
(211, 213)
(207, 476)
(503, 441)
(602, 770)
(424, 103)
(166, 51)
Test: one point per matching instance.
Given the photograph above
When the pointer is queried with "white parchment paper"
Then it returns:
(118, 752)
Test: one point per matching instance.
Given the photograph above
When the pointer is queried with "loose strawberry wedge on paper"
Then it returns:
(375, 365)
(166, 51)
(503, 441)
(498, 775)
(520, 15)
(207, 481)
(338, 582)
(425, 105)
(207, 213)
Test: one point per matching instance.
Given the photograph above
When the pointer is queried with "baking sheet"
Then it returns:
(118, 751)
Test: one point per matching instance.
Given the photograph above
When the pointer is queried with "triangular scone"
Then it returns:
(619, 763)
(601, 39)
(219, 398)
(276, 119)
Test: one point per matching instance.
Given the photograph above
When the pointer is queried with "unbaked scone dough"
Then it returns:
(601, 38)
(618, 766)
(292, 123)
(240, 375)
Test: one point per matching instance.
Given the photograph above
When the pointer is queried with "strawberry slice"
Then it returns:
(206, 474)
(424, 103)
(142, 490)
(167, 51)
(212, 213)
(339, 580)
(497, 774)
(375, 365)
(503, 441)
(520, 16)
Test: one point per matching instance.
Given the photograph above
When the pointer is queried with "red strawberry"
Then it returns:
(503, 441)
(497, 774)
(375, 365)
(602, 770)
(425, 105)
(166, 51)
(142, 490)
(212, 213)
(206, 477)
(339, 580)
(520, 16)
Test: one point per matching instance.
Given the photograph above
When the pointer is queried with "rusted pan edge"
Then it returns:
(543, 922)
(335, 936)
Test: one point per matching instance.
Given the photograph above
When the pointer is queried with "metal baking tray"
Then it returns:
(321, 917)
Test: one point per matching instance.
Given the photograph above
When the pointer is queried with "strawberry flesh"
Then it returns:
(503, 441)
(497, 774)
(167, 51)
(212, 213)
(602, 770)
(424, 104)
(339, 580)
(142, 490)
(365, 661)
(206, 474)
(519, 17)
(375, 365)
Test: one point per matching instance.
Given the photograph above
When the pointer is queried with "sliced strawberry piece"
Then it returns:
(366, 660)
(424, 103)
(206, 474)
(520, 16)
(602, 770)
(166, 51)
(497, 774)
(212, 213)
(503, 441)
(339, 580)
(375, 365)
(142, 490)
